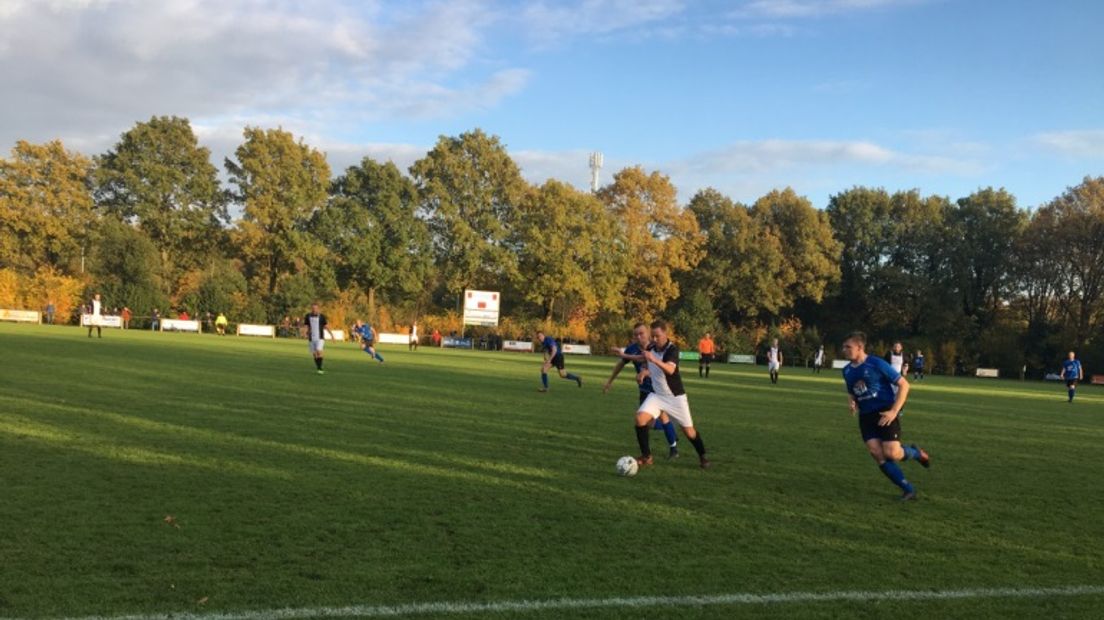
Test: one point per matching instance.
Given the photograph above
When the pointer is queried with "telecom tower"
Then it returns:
(596, 161)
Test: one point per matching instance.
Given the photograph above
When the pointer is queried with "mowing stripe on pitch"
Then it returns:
(521, 606)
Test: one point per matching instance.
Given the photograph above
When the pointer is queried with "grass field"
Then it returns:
(443, 476)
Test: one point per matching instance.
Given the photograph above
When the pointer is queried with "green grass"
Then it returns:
(445, 476)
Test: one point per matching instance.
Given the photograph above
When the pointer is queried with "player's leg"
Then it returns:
(664, 423)
(376, 356)
(645, 417)
(1071, 390)
(886, 456)
(678, 408)
(559, 362)
(316, 352)
(544, 375)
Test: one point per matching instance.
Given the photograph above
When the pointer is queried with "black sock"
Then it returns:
(642, 439)
(707, 372)
(698, 444)
(318, 362)
(699, 371)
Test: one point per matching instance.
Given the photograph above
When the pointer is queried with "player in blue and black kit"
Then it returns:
(1072, 373)
(367, 340)
(877, 393)
(641, 340)
(553, 356)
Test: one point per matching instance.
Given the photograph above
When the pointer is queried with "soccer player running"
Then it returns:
(774, 361)
(918, 365)
(553, 356)
(367, 339)
(668, 395)
(1072, 373)
(636, 348)
(315, 326)
(870, 384)
(706, 349)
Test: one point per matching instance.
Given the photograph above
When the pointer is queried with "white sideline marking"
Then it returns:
(442, 608)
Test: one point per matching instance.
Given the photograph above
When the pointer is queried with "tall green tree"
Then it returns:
(281, 182)
(158, 177)
(663, 238)
(741, 263)
(809, 249)
(375, 239)
(982, 231)
(46, 208)
(571, 250)
(470, 189)
(125, 267)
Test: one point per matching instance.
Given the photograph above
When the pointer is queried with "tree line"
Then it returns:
(151, 224)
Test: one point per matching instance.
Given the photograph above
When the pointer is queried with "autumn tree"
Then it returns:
(663, 239)
(810, 251)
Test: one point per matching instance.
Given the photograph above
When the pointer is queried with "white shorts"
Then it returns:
(773, 366)
(316, 346)
(676, 407)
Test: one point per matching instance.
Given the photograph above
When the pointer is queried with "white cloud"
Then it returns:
(799, 9)
(552, 23)
(1075, 143)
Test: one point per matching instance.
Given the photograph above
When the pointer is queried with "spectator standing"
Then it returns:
(50, 311)
(183, 315)
(220, 324)
(125, 315)
(155, 320)
(436, 338)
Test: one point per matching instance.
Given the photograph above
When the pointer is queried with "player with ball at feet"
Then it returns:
(668, 395)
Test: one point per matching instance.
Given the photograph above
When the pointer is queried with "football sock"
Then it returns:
(669, 432)
(1071, 392)
(571, 377)
(700, 369)
(911, 453)
(318, 362)
(642, 439)
(378, 357)
(893, 471)
(544, 379)
(707, 372)
(698, 444)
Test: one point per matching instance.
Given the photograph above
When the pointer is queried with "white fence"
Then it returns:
(103, 320)
(338, 334)
(517, 345)
(266, 331)
(21, 316)
(180, 325)
(576, 349)
(383, 338)
(988, 373)
(734, 358)
(837, 364)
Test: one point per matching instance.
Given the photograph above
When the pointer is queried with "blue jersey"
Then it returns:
(871, 384)
(634, 349)
(367, 334)
(1071, 369)
(549, 343)
(918, 362)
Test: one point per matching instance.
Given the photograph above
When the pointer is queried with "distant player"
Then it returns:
(668, 395)
(641, 340)
(95, 319)
(818, 360)
(706, 350)
(553, 356)
(315, 327)
(220, 324)
(870, 384)
(413, 345)
(896, 358)
(774, 361)
(367, 337)
(918, 365)
(1072, 373)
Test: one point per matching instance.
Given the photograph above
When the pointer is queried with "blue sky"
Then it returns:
(942, 95)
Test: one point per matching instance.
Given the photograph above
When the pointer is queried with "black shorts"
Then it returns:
(558, 362)
(705, 358)
(1071, 383)
(868, 426)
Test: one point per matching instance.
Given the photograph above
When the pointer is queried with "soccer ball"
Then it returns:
(626, 466)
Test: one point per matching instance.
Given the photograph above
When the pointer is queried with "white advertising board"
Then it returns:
(576, 349)
(383, 338)
(338, 334)
(734, 358)
(481, 308)
(988, 373)
(21, 316)
(103, 320)
(267, 331)
(517, 345)
(180, 325)
(837, 364)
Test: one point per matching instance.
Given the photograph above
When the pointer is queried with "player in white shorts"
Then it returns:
(668, 395)
(774, 361)
(314, 324)
(95, 319)
(896, 359)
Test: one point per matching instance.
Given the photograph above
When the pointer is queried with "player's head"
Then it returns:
(314, 308)
(641, 334)
(358, 323)
(1072, 355)
(96, 296)
(775, 342)
(659, 332)
(919, 352)
(708, 335)
(854, 346)
(898, 347)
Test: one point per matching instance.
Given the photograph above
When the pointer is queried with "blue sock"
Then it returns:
(1071, 392)
(672, 437)
(893, 471)
(911, 453)
(544, 379)
(379, 357)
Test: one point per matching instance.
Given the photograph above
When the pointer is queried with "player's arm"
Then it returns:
(668, 368)
(899, 402)
(616, 371)
(852, 403)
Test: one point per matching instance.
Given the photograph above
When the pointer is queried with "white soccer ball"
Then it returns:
(626, 466)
